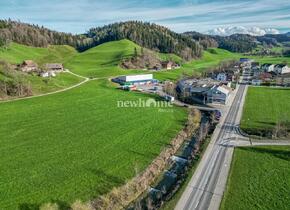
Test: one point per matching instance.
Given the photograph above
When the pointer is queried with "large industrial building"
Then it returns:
(135, 79)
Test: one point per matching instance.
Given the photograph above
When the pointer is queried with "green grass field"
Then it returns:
(265, 106)
(259, 179)
(77, 144)
(103, 60)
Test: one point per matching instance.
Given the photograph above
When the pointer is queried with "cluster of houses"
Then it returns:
(204, 91)
(50, 69)
(267, 73)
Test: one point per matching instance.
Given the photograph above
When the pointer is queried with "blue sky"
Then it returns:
(77, 16)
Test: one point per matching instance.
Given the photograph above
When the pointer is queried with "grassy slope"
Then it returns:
(264, 107)
(77, 144)
(259, 179)
(274, 60)
(16, 53)
(103, 60)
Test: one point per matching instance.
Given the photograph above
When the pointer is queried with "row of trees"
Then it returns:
(12, 83)
(148, 35)
(34, 35)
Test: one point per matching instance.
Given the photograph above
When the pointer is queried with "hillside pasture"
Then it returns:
(77, 144)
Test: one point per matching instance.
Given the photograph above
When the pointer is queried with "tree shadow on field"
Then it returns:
(30, 206)
(147, 155)
(282, 154)
(112, 180)
(266, 123)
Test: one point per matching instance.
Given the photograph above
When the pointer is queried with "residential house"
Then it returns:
(281, 69)
(265, 77)
(28, 66)
(268, 67)
(56, 67)
(246, 62)
(47, 74)
(283, 80)
(221, 77)
(168, 65)
(255, 66)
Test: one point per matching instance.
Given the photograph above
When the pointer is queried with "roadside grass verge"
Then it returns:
(78, 144)
(259, 179)
(264, 107)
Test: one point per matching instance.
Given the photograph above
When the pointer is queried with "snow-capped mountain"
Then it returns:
(254, 31)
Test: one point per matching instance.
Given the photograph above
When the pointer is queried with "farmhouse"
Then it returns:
(135, 79)
(47, 74)
(56, 67)
(28, 66)
(168, 65)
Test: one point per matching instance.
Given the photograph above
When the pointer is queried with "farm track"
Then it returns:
(86, 79)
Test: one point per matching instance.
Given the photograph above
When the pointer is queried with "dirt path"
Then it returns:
(86, 79)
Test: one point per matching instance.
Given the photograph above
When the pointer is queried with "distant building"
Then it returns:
(246, 62)
(265, 77)
(283, 79)
(221, 77)
(281, 69)
(218, 94)
(168, 65)
(47, 74)
(28, 66)
(256, 82)
(268, 67)
(135, 79)
(204, 91)
(57, 67)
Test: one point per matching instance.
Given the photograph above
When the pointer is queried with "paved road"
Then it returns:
(206, 187)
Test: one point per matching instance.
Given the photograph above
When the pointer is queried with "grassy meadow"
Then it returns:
(16, 53)
(77, 144)
(259, 179)
(264, 107)
(103, 60)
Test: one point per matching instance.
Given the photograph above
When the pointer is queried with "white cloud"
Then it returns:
(254, 31)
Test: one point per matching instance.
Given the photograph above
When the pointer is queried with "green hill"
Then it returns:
(103, 60)
(16, 53)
